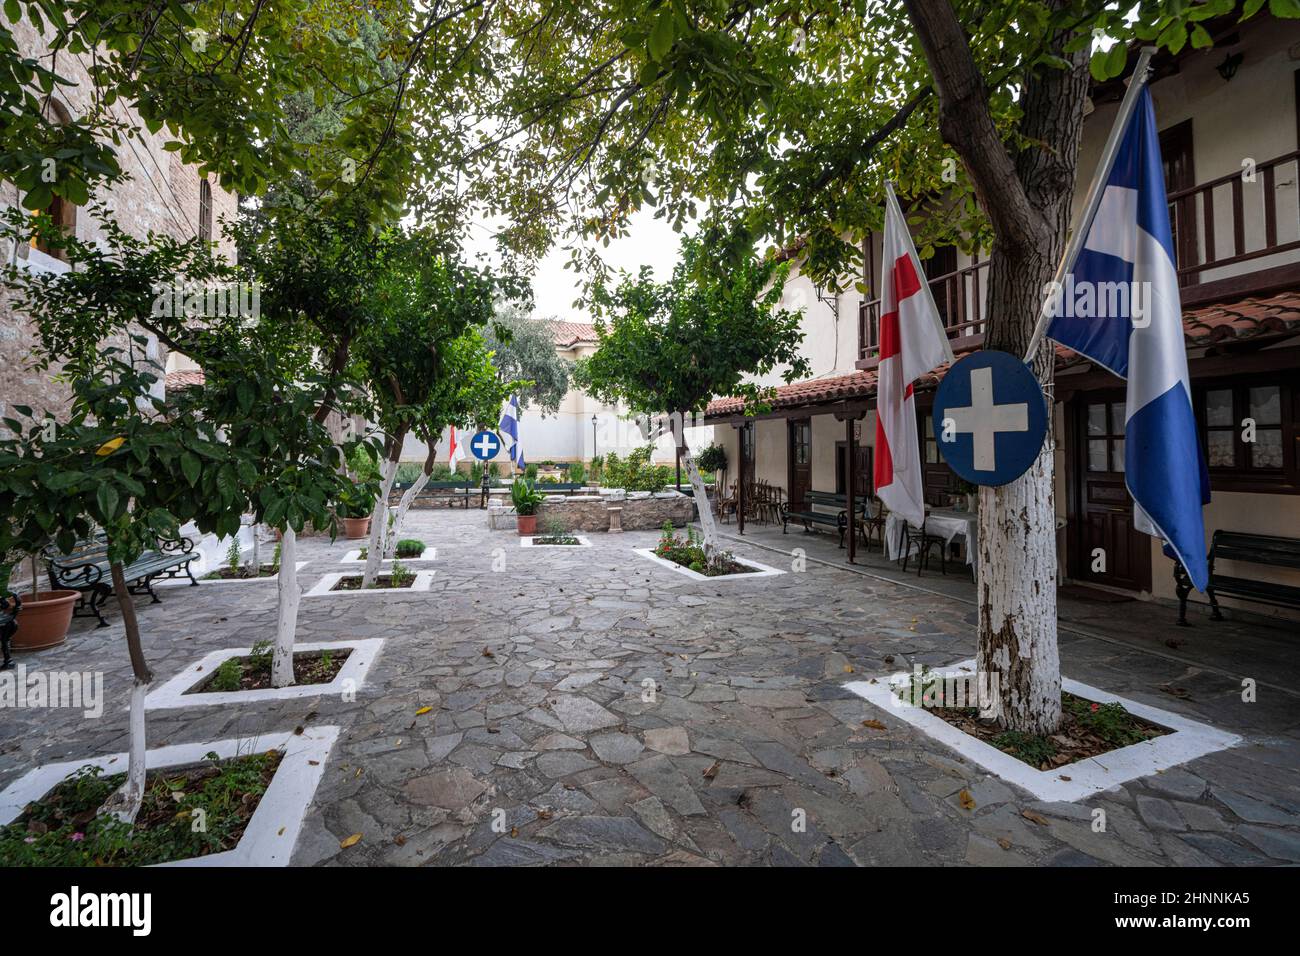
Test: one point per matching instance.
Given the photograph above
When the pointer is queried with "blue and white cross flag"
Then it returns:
(1119, 307)
(509, 425)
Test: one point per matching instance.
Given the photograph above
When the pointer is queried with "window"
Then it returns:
(1106, 436)
(1249, 431)
(801, 441)
(927, 436)
(205, 210)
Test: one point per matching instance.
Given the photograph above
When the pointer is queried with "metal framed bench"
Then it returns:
(808, 517)
(1263, 549)
(86, 569)
(452, 491)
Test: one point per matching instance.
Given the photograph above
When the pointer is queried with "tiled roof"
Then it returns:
(1204, 326)
(184, 378)
(570, 333)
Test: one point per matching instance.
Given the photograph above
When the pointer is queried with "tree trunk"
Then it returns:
(1027, 198)
(404, 505)
(286, 625)
(707, 524)
(124, 804)
(257, 551)
(379, 522)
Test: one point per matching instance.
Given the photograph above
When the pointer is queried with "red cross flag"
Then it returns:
(912, 342)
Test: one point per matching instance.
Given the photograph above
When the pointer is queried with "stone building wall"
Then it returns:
(161, 195)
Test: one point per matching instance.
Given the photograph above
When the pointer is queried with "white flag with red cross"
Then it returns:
(912, 342)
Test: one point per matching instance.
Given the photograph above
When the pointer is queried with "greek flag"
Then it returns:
(509, 425)
(1119, 307)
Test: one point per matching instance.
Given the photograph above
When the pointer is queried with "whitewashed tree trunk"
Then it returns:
(125, 803)
(286, 626)
(379, 525)
(1017, 600)
(403, 506)
(257, 551)
(707, 523)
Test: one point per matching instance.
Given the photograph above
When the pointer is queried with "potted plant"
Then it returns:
(526, 498)
(355, 512)
(45, 615)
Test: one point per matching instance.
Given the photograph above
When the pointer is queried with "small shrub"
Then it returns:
(398, 576)
(232, 556)
(577, 473)
(712, 459)
(409, 548)
(226, 677)
(530, 471)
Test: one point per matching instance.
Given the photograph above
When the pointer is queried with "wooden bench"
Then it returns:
(452, 491)
(86, 569)
(808, 517)
(1262, 549)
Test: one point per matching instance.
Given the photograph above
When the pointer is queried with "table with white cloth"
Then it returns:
(940, 522)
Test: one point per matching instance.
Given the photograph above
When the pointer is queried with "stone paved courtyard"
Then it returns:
(541, 746)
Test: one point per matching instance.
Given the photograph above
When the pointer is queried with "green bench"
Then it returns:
(86, 569)
(452, 491)
(837, 519)
(1263, 549)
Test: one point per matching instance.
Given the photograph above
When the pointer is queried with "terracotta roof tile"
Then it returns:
(184, 378)
(570, 333)
(1204, 326)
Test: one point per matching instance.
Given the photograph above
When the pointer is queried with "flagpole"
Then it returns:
(892, 199)
(1141, 74)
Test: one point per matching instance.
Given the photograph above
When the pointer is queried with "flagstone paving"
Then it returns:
(590, 707)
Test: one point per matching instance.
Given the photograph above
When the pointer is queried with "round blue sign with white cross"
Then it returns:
(485, 445)
(990, 418)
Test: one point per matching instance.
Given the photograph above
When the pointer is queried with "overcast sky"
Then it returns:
(651, 242)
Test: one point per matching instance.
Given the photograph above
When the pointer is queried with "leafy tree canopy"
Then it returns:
(524, 348)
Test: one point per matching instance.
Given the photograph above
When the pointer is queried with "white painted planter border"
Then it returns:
(423, 581)
(173, 582)
(1189, 740)
(760, 570)
(272, 831)
(354, 557)
(172, 694)
(530, 541)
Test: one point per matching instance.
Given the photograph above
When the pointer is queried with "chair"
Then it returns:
(872, 525)
(727, 502)
(923, 542)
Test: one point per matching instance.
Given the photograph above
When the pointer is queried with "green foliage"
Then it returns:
(530, 471)
(577, 473)
(399, 575)
(525, 497)
(689, 553)
(1111, 722)
(712, 459)
(408, 472)
(232, 555)
(409, 548)
(227, 675)
(1033, 749)
(635, 473)
(64, 829)
(524, 349)
(670, 347)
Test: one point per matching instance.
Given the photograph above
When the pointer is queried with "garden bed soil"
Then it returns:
(353, 583)
(309, 667)
(722, 564)
(1088, 729)
(242, 573)
(556, 540)
(64, 828)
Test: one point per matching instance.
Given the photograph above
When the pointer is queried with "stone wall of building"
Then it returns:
(161, 194)
(591, 512)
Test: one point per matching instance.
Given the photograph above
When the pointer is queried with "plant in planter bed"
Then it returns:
(398, 576)
(254, 671)
(406, 548)
(689, 552)
(526, 499)
(65, 827)
(555, 533)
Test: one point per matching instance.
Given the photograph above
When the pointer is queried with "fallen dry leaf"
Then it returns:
(1004, 843)
(487, 651)
(350, 841)
(966, 800)
(1033, 817)
(713, 770)
(848, 668)
(423, 710)
(873, 724)
(399, 840)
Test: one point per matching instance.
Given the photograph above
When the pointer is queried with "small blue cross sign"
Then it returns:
(485, 445)
(990, 418)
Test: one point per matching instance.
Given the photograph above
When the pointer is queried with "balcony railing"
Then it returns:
(959, 296)
(1234, 236)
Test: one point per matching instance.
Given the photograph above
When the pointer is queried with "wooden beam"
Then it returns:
(851, 479)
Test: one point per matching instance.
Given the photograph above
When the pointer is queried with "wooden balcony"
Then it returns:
(1235, 236)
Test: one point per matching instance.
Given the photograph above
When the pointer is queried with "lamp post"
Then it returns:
(593, 436)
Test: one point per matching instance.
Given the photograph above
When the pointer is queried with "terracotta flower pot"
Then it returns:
(356, 527)
(43, 621)
(527, 525)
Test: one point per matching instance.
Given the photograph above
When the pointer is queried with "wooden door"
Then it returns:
(800, 458)
(863, 490)
(1106, 547)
